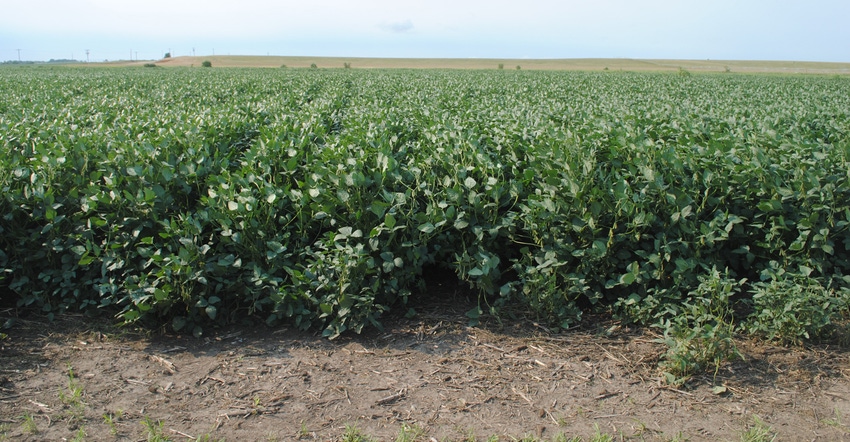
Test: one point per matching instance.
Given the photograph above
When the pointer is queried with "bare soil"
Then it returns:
(432, 373)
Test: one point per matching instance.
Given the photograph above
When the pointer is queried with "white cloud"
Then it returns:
(397, 27)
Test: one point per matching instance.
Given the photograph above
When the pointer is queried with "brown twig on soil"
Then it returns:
(538, 349)
(182, 434)
(549, 413)
(606, 416)
(74, 347)
(164, 362)
(829, 393)
(134, 381)
(364, 352)
(538, 362)
(344, 391)
(235, 412)
(609, 355)
(228, 336)
(530, 402)
(222, 381)
(584, 378)
(44, 408)
(607, 395)
(676, 390)
(391, 398)
(493, 347)
(649, 403)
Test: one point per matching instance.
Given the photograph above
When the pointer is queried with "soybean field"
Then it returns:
(323, 198)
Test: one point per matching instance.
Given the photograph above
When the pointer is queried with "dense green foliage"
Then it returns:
(319, 197)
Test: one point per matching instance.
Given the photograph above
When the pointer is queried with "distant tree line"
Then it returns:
(52, 60)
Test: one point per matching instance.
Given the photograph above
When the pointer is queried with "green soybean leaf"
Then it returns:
(178, 323)
(389, 221)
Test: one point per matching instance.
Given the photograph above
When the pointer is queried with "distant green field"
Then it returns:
(575, 64)
(323, 198)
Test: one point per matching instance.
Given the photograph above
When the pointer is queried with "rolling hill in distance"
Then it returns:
(586, 64)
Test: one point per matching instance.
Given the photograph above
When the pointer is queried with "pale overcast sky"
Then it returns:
(810, 30)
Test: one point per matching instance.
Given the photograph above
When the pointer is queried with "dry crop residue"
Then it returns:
(431, 373)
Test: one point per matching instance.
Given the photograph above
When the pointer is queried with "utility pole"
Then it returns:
(19, 55)
(137, 55)
(193, 52)
(87, 55)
